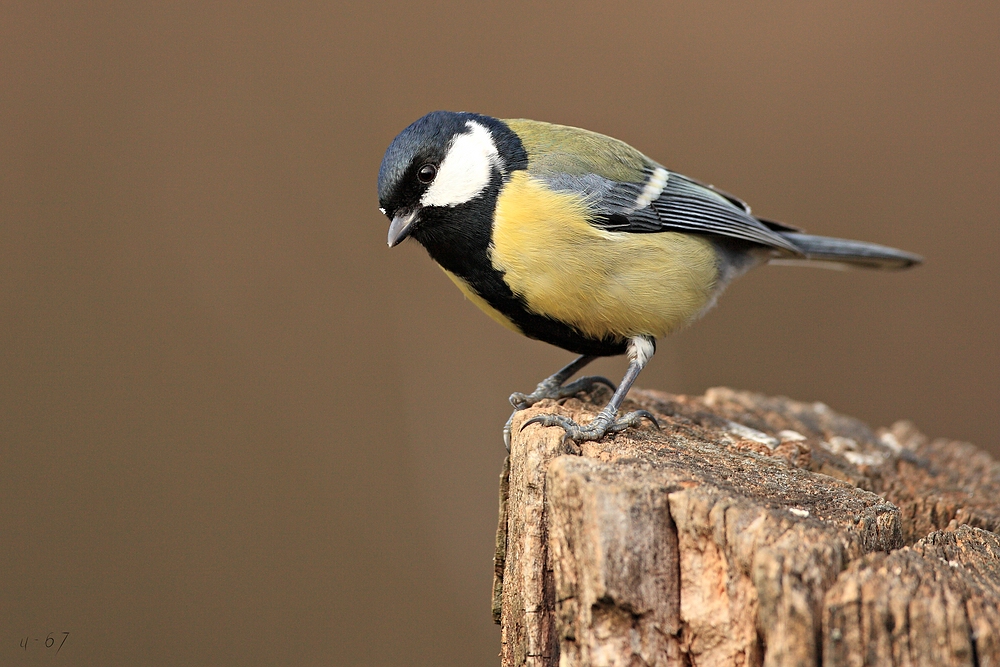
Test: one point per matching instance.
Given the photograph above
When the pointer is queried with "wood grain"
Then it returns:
(747, 531)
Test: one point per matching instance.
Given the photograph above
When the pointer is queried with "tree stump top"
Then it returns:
(748, 530)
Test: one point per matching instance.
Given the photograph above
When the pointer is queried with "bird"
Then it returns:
(579, 240)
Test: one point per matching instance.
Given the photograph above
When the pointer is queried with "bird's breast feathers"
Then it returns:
(602, 283)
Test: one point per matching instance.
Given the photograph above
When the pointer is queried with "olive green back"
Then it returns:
(571, 150)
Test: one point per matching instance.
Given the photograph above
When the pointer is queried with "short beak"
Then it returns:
(401, 226)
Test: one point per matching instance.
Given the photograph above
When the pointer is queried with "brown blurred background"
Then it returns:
(238, 430)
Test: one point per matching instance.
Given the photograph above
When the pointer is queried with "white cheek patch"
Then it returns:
(466, 169)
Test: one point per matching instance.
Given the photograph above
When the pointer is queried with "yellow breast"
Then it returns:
(601, 283)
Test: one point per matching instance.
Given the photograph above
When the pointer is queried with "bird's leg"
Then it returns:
(552, 387)
(639, 350)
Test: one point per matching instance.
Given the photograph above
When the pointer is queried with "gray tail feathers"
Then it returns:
(848, 253)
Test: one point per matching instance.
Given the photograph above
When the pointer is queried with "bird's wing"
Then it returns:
(666, 202)
(628, 192)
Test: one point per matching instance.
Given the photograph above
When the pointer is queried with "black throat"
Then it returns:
(458, 237)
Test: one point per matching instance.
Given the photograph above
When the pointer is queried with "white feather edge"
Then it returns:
(653, 188)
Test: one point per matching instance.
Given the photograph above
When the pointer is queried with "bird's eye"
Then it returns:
(427, 173)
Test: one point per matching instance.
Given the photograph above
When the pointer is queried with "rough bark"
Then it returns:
(747, 531)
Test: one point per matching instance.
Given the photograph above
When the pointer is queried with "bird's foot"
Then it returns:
(602, 424)
(551, 388)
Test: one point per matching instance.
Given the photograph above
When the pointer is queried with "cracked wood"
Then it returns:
(748, 531)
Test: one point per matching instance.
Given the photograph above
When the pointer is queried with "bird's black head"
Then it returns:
(442, 161)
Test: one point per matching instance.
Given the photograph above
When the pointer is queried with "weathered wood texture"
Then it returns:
(748, 531)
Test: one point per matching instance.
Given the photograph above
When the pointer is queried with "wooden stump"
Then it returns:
(747, 531)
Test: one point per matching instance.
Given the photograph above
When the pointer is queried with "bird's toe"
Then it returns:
(554, 391)
(599, 427)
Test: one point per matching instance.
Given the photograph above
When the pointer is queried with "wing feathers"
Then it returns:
(682, 205)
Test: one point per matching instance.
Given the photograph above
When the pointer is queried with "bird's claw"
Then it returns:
(554, 391)
(601, 425)
(506, 431)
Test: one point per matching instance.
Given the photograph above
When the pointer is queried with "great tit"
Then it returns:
(579, 240)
